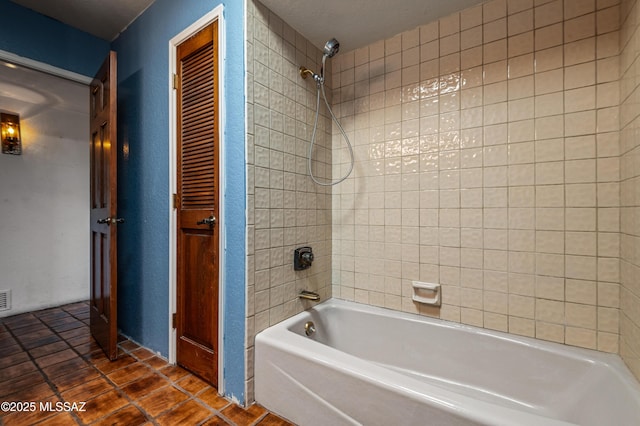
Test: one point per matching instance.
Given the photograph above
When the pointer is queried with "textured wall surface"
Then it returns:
(630, 185)
(34, 36)
(285, 208)
(44, 232)
(143, 167)
(487, 161)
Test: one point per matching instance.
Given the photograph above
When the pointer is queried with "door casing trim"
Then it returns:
(44, 67)
(214, 15)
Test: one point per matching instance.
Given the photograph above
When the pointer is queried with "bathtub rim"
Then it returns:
(590, 355)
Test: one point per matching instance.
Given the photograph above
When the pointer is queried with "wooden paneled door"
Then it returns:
(104, 207)
(198, 129)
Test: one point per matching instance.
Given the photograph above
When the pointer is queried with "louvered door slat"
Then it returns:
(198, 130)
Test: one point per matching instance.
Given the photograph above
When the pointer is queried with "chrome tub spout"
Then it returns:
(309, 295)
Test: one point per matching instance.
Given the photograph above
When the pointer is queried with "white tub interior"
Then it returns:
(468, 368)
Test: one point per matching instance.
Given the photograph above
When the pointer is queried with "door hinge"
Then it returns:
(176, 201)
(174, 320)
(176, 81)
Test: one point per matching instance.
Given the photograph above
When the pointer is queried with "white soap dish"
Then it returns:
(427, 293)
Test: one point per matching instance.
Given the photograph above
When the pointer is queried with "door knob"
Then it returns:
(110, 220)
(211, 220)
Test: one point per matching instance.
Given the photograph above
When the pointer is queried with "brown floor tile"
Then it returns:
(65, 367)
(72, 325)
(157, 362)
(273, 420)
(48, 349)
(243, 417)
(101, 406)
(62, 419)
(76, 332)
(192, 384)
(18, 370)
(96, 356)
(161, 400)
(87, 349)
(215, 421)
(129, 345)
(7, 339)
(79, 340)
(87, 390)
(55, 319)
(11, 386)
(75, 378)
(50, 314)
(77, 307)
(32, 417)
(107, 366)
(188, 413)
(56, 358)
(7, 350)
(17, 358)
(16, 324)
(129, 416)
(174, 372)
(30, 344)
(67, 319)
(143, 387)
(75, 366)
(142, 354)
(213, 400)
(37, 392)
(25, 327)
(129, 373)
(34, 332)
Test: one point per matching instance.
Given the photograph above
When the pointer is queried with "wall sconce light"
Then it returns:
(11, 142)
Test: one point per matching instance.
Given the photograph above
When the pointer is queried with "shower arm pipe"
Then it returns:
(304, 71)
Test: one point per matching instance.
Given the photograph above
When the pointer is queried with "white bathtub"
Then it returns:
(372, 366)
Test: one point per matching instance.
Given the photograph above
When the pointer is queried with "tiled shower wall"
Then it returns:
(487, 160)
(630, 185)
(285, 209)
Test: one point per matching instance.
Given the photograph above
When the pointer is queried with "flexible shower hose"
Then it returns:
(320, 88)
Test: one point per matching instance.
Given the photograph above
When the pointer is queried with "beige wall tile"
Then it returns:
(488, 151)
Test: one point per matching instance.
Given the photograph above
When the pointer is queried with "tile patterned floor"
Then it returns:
(50, 356)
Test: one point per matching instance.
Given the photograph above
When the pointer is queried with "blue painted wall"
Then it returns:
(143, 187)
(143, 111)
(35, 36)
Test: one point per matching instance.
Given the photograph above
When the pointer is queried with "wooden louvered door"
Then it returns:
(197, 204)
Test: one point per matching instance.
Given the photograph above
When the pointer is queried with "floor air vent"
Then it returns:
(5, 300)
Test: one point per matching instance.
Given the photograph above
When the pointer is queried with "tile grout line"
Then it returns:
(192, 397)
(117, 387)
(61, 318)
(54, 387)
(83, 357)
(49, 382)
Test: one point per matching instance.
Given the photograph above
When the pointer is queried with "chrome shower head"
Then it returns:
(331, 48)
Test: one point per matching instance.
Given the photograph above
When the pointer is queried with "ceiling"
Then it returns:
(102, 18)
(357, 23)
(27, 92)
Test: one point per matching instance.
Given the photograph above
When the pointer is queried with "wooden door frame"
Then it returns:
(215, 15)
